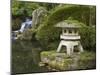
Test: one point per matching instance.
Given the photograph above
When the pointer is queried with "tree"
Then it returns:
(47, 33)
(21, 8)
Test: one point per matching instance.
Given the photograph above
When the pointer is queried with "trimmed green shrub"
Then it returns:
(47, 33)
(88, 38)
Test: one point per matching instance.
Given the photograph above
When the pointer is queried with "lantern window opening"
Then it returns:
(65, 31)
(70, 31)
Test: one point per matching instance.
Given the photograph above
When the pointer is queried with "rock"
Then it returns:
(62, 62)
(41, 64)
(58, 61)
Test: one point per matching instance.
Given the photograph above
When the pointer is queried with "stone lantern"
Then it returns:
(70, 37)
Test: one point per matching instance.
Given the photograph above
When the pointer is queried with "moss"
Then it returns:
(60, 61)
(53, 54)
(46, 53)
(87, 55)
(61, 65)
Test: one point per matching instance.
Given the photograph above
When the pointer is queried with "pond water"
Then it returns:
(26, 57)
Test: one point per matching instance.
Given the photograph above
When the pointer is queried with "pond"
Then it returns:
(26, 57)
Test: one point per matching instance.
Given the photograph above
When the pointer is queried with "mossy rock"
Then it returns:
(59, 61)
(62, 62)
(27, 35)
(53, 55)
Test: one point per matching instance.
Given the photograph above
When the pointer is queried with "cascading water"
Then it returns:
(36, 19)
(25, 25)
(26, 53)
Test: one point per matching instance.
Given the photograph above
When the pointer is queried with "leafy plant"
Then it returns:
(88, 37)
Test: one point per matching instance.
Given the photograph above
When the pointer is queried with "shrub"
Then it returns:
(20, 8)
(47, 33)
(88, 37)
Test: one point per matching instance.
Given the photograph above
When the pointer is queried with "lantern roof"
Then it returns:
(69, 24)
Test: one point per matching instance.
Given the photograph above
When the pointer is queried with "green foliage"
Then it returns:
(48, 6)
(88, 37)
(74, 22)
(53, 54)
(58, 61)
(77, 12)
(60, 13)
(20, 8)
(87, 55)
(48, 36)
(47, 33)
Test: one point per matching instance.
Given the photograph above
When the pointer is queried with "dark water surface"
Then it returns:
(26, 57)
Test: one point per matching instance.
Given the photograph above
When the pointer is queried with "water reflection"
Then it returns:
(26, 57)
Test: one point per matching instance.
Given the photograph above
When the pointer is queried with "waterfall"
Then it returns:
(25, 25)
(22, 27)
(36, 19)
